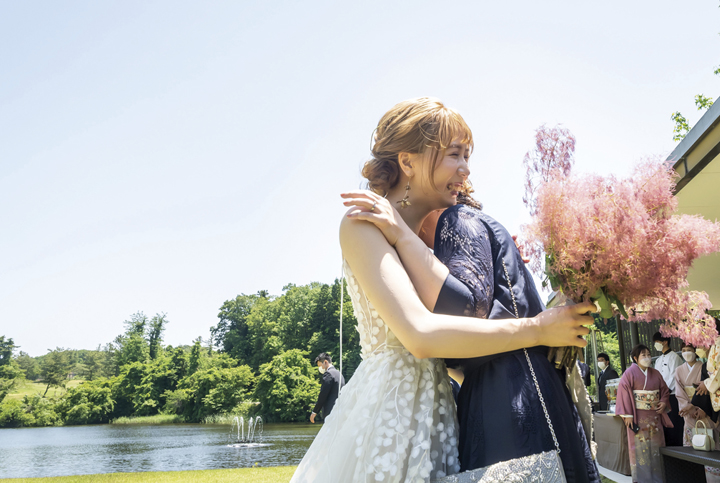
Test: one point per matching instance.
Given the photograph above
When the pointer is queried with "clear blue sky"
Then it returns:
(167, 156)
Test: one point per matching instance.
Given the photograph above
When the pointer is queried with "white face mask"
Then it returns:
(644, 361)
(602, 365)
(321, 369)
(689, 356)
(658, 346)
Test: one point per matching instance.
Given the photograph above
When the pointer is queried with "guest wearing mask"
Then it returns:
(666, 364)
(643, 400)
(606, 373)
(687, 377)
(332, 381)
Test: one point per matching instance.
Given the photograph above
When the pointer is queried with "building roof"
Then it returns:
(697, 161)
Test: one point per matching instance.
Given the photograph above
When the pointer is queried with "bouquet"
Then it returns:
(619, 243)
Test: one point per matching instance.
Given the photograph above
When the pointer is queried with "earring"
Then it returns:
(405, 202)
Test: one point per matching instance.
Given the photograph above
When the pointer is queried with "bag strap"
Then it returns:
(532, 370)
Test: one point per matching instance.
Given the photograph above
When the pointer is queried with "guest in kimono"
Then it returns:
(687, 377)
(643, 400)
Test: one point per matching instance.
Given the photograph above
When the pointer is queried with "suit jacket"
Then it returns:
(331, 382)
(608, 373)
(584, 372)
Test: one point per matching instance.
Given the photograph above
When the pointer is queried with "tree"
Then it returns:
(154, 334)
(10, 372)
(29, 365)
(132, 346)
(231, 334)
(89, 403)
(54, 368)
(287, 387)
(92, 367)
(195, 352)
(214, 390)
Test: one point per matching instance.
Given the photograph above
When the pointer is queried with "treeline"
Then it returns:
(258, 361)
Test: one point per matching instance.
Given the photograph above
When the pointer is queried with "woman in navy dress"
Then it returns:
(499, 412)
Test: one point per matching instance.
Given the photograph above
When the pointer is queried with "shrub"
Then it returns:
(286, 387)
(89, 403)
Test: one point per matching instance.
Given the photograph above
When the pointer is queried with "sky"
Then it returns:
(167, 156)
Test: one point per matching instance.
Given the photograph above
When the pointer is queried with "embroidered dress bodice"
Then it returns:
(395, 419)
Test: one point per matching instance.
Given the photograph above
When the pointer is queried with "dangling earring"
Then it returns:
(405, 202)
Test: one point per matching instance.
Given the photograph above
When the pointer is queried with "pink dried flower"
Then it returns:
(552, 156)
(620, 236)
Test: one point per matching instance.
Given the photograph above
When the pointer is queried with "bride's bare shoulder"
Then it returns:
(358, 235)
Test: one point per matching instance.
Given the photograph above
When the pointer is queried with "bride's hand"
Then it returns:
(370, 206)
(564, 326)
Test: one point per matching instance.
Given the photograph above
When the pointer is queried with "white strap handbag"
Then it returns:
(702, 439)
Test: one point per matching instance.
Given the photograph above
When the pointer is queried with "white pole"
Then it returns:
(342, 297)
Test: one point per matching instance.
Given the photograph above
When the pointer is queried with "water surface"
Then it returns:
(78, 450)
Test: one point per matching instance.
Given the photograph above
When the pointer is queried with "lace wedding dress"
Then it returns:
(393, 422)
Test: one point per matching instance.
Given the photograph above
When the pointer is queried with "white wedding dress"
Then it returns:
(394, 421)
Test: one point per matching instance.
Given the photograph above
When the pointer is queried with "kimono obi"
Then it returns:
(646, 400)
(689, 390)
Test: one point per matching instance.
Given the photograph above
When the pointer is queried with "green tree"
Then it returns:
(231, 334)
(29, 365)
(10, 371)
(54, 368)
(211, 391)
(89, 403)
(287, 387)
(132, 345)
(154, 335)
(43, 411)
(195, 353)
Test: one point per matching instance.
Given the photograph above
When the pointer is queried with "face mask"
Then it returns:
(321, 369)
(701, 353)
(602, 365)
(645, 361)
(658, 346)
(689, 356)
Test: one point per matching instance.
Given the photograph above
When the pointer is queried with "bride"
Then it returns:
(395, 420)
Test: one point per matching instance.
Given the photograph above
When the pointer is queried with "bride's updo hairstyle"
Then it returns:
(413, 126)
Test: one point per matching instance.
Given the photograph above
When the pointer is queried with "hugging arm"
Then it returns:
(430, 277)
(387, 285)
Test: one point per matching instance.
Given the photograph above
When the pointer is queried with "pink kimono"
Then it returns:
(685, 378)
(637, 395)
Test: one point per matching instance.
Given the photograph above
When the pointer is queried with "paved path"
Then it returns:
(616, 477)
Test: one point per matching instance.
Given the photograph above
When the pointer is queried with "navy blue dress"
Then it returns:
(499, 411)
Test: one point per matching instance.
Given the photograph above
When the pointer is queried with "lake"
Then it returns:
(78, 450)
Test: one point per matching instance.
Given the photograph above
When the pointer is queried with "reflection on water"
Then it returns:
(78, 450)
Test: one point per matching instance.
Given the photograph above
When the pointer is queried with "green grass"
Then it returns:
(604, 479)
(31, 388)
(157, 419)
(278, 474)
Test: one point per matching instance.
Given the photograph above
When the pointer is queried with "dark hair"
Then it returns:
(604, 356)
(657, 336)
(324, 356)
(687, 344)
(635, 353)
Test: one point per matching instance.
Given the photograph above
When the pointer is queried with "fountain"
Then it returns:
(255, 425)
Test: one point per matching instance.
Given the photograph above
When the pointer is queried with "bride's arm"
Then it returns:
(380, 273)
(425, 270)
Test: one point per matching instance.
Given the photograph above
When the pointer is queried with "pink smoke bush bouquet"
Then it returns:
(618, 242)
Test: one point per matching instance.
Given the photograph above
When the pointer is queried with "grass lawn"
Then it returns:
(278, 474)
(30, 388)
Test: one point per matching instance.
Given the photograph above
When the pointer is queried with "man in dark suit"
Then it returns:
(606, 373)
(332, 381)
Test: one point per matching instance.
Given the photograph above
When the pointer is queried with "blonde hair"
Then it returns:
(413, 126)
